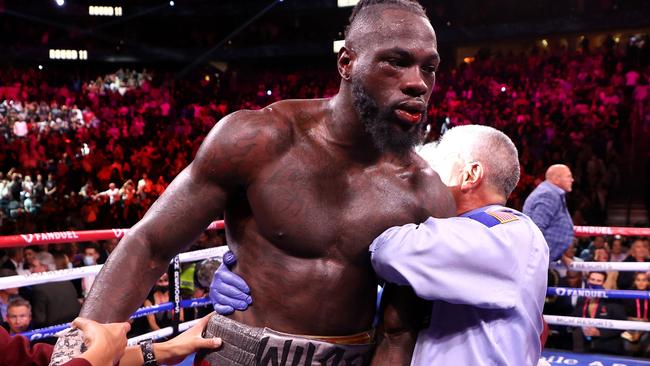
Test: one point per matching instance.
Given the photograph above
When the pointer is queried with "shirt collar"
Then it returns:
(480, 209)
(554, 187)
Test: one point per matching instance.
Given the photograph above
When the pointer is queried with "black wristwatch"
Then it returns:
(146, 345)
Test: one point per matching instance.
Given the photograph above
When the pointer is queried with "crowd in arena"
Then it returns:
(96, 154)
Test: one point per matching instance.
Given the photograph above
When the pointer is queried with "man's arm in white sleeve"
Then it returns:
(457, 260)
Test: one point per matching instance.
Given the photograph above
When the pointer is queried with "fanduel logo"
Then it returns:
(64, 235)
(581, 292)
(119, 232)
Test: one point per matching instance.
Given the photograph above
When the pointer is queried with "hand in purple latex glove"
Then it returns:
(228, 291)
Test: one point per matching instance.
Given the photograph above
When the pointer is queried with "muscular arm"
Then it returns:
(225, 163)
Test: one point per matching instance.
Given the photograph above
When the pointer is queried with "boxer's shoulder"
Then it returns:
(242, 143)
(302, 115)
(252, 128)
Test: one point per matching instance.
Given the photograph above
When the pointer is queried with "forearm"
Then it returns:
(394, 349)
(165, 353)
(402, 314)
(123, 282)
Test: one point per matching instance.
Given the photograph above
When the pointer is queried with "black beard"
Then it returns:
(381, 124)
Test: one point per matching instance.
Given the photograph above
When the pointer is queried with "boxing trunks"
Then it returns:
(244, 345)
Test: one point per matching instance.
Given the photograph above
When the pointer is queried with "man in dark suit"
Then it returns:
(590, 339)
(54, 302)
(14, 260)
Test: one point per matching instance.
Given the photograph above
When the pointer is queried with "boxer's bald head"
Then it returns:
(560, 175)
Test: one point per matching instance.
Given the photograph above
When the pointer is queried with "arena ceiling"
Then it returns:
(207, 30)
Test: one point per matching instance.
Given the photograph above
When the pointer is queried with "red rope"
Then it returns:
(582, 231)
(24, 240)
(92, 235)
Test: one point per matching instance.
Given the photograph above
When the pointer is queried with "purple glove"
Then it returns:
(229, 292)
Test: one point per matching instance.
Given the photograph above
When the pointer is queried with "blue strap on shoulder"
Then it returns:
(485, 219)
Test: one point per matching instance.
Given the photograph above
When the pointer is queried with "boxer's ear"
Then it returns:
(344, 62)
(472, 176)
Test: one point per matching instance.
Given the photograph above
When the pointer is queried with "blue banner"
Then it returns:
(605, 294)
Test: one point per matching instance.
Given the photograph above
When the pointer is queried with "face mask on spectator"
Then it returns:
(595, 287)
(162, 289)
(89, 260)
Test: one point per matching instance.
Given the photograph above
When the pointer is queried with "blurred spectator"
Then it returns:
(28, 255)
(19, 316)
(638, 253)
(592, 339)
(619, 252)
(61, 261)
(14, 260)
(560, 335)
(54, 302)
(588, 254)
(602, 255)
(160, 295)
(112, 193)
(571, 255)
(90, 258)
(547, 207)
(637, 343)
(108, 246)
(7, 294)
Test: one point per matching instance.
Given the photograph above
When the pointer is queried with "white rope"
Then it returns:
(597, 323)
(161, 333)
(45, 277)
(604, 266)
(203, 254)
(610, 266)
(81, 272)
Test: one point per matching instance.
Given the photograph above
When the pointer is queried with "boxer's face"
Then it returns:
(392, 76)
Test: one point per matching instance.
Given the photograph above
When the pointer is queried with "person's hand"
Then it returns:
(228, 291)
(567, 261)
(590, 331)
(106, 342)
(175, 350)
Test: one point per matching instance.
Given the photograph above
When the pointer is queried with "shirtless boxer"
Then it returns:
(305, 185)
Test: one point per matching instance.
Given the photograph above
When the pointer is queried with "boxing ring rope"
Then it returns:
(67, 274)
(593, 322)
(93, 235)
(51, 331)
(11, 241)
(22, 240)
(605, 266)
(623, 325)
(585, 231)
(80, 272)
(161, 333)
(597, 323)
(593, 293)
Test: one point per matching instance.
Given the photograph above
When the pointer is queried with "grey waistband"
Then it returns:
(244, 345)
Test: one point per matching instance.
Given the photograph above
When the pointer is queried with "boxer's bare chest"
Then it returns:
(313, 203)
